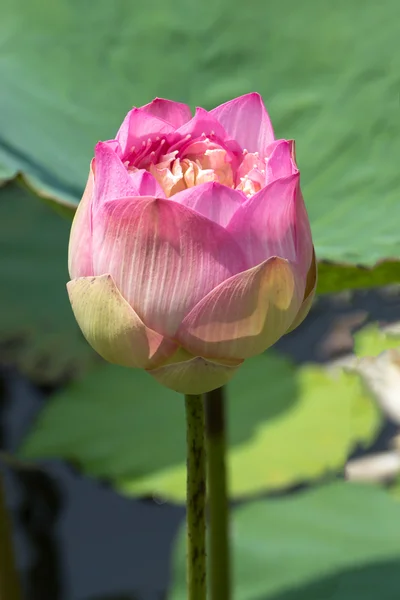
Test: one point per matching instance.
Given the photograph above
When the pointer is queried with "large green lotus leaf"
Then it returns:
(286, 426)
(37, 329)
(330, 76)
(337, 542)
(7, 172)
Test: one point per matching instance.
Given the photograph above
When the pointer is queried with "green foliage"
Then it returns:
(337, 542)
(286, 426)
(330, 78)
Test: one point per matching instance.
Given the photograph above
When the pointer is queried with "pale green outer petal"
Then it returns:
(309, 294)
(196, 376)
(112, 327)
(245, 314)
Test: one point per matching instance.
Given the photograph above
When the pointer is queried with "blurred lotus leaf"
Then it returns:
(336, 542)
(287, 425)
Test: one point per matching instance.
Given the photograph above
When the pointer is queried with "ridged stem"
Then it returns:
(196, 498)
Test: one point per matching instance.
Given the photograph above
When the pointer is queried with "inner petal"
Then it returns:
(251, 173)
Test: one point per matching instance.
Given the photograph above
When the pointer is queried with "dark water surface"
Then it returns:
(76, 539)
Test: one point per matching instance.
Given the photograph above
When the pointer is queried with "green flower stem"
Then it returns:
(9, 583)
(196, 498)
(217, 496)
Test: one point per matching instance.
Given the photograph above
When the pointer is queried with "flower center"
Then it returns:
(200, 161)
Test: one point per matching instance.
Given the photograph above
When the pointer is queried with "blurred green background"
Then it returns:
(329, 74)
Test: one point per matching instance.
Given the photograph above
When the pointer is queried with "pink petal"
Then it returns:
(304, 243)
(274, 222)
(174, 113)
(195, 376)
(139, 124)
(112, 179)
(164, 257)
(80, 241)
(112, 327)
(245, 315)
(203, 123)
(213, 200)
(309, 293)
(146, 184)
(115, 147)
(280, 162)
(265, 224)
(246, 120)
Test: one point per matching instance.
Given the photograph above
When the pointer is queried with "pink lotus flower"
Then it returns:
(191, 248)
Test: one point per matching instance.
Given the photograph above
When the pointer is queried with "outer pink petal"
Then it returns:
(274, 222)
(164, 257)
(246, 120)
(146, 184)
(280, 162)
(174, 113)
(112, 327)
(80, 241)
(245, 315)
(139, 124)
(112, 179)
(304, 243)
(265, 224)
(215, 201)
(311, 286)
(195, 376)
